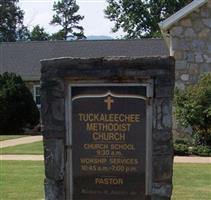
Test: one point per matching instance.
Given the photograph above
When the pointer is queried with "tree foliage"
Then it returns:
(39, 34)
(58, 36)
(140, 18)
(193, 108)
(17, 107)
(11, 22)
(67, 18)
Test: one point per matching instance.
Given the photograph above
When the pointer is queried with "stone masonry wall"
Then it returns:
(191, 46)
(58, 73)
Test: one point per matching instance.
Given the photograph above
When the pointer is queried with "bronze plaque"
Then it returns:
(109, 142)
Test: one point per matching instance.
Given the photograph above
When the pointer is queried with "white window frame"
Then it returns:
(35, 94)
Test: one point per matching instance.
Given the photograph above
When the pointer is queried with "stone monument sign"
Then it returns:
(107, 128)
(109, 141)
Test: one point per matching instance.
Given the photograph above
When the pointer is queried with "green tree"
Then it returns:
(140, 18)
(67, 18)
(11, 22)
(23, 34)
(17, 107)
(38, 34)
(193, 108)
(57, 36)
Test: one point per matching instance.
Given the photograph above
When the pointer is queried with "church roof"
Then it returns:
(23, 58)
(169, 22)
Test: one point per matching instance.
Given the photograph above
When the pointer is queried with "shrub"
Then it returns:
(201, 150)
(182, 141)
(181, 149)
(17, 107)
(193, 108)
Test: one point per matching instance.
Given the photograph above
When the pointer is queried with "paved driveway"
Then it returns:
(23, 140)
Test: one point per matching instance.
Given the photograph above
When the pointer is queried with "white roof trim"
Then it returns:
(166, 24)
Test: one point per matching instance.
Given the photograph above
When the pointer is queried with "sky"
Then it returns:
(40, 12)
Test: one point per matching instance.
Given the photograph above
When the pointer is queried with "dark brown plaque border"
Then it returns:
(68, 111)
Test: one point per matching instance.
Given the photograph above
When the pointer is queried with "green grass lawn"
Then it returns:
(35, 148)
(9, 137)
(23, 180)
(192, 182)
